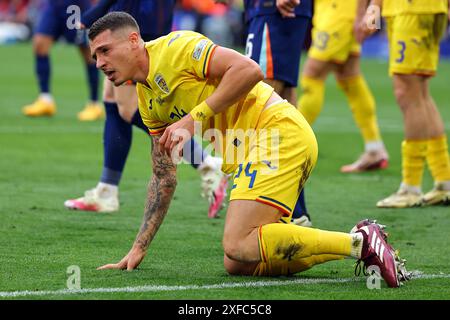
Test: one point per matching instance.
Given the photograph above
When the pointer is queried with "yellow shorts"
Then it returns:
(333, 40)
(280, 160)
(414, 42)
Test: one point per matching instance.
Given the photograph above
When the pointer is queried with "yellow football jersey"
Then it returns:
(178, 81)
(396, 7)
(334, 9)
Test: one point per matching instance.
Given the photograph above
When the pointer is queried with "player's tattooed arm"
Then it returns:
(160, 191)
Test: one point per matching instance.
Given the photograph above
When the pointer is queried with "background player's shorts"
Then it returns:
(275, 44)
(333, 40)
(54, 21)
(280, 160)
(414, 42)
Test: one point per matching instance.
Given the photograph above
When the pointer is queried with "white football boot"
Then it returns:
(103, 198)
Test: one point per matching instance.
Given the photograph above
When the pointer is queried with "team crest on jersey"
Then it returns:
(199, 48)
(173, 39)
(161, 83)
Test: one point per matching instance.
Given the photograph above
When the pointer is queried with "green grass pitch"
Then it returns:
(47, 160)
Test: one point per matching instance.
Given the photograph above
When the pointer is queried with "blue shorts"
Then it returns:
(53, 21)
(275, 43)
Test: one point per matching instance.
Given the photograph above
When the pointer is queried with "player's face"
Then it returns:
(113, 54)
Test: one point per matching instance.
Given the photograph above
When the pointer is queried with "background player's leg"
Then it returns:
(362, 105)
(92, 110)
(44, 105)
(409, 95)
(437, 153)
(312, 86)
(117, 136)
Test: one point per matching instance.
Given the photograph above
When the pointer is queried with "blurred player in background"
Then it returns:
(276, 35)
(221, 90)
(155, 19)
(334, 49)
(414, 30)
(57, 19)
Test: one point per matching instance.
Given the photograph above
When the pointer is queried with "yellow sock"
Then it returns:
(287, 248)
(362, 104)
(311, 100)
(438, 159)
(413, 161)
(281, 268)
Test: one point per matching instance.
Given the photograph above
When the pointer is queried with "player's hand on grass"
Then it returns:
(176, 135)
(130, 262)
(287, 7)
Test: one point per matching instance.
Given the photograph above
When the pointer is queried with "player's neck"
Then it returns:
(143, 66)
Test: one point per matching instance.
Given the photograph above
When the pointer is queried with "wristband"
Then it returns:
(202, 112)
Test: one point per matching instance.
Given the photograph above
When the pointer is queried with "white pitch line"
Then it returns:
(162, 288)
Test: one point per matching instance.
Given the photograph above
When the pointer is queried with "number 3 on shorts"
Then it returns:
(401, 51)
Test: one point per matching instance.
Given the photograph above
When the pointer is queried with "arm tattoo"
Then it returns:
(160, 191)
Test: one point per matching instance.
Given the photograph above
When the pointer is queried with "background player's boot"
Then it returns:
(103, 198)
(403, 198)
(438, 195)
(39, 108)
(369, 160)
(217, 202)
(214, 184)
(303, 221)
(91, 112)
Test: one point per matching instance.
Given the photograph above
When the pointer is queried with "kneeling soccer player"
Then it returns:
(184, 79)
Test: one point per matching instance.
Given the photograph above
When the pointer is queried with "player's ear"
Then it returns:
(134, 37)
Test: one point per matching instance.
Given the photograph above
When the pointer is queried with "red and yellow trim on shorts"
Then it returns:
(284, 209)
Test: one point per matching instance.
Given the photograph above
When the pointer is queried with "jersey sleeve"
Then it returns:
(155, 126)
(191, 52)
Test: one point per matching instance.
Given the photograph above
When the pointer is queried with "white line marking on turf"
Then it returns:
(162, 288)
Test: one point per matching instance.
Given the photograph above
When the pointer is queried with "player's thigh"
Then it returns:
(275, 44)
(350, 68)
(290, 94)
(240, 237)
(47, 29)
(317, 69)
(278, 85)
(42, 44)
(408, 91)
(127, 101)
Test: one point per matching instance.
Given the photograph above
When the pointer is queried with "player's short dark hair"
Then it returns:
(112, 21)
